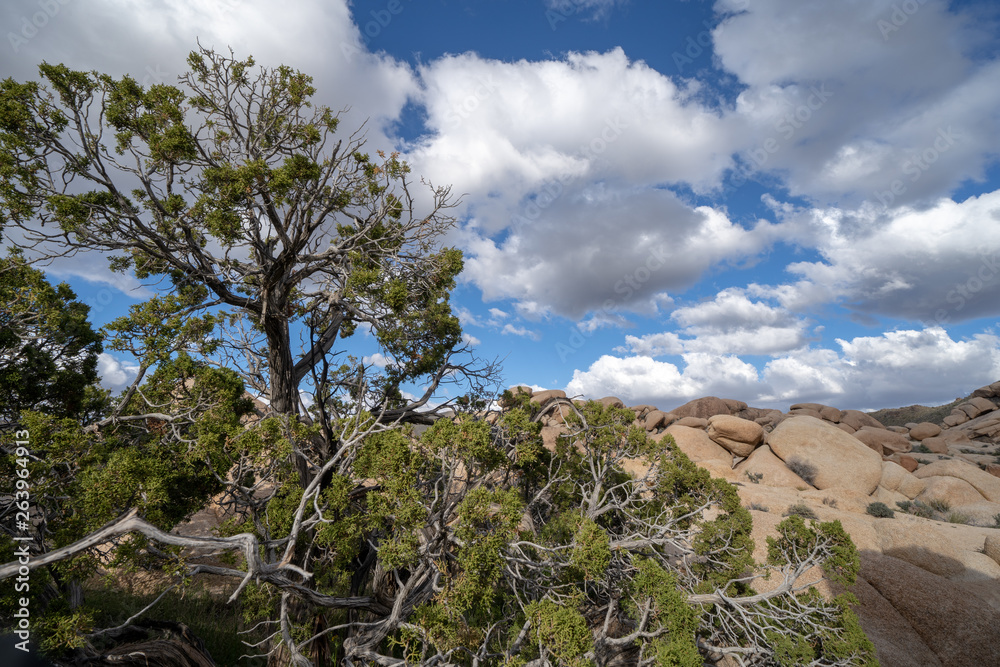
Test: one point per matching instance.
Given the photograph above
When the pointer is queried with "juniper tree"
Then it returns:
(233, 191)
(268, 240)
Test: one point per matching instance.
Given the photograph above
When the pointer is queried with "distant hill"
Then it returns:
(916, 413)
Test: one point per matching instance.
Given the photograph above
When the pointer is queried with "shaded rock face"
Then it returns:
(693, 422)
(655, 419)
(838, 459)
(897, 644)
(706, 407)
(926, 602)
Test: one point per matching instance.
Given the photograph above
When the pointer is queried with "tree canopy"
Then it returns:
(361, 527)
(48, 349)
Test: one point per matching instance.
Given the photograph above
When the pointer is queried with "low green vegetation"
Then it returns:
(880, 510)
(801, 510)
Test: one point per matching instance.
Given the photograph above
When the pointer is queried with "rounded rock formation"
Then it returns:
(740, 436)
(837, 459)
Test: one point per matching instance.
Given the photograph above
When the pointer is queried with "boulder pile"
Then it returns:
(941, 550)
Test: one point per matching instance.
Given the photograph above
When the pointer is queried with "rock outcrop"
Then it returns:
(837, 460)
(739, 436)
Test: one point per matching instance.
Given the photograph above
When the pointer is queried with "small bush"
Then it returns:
(921, 449)
(803, 469)
(996, 521)
(939, 505)
(755, 477)
(830, 502)
(880, 510)
(957, 517)
(916, 508)
(802, 510)
(758, 507)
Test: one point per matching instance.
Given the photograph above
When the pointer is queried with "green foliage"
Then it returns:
(590, 554)
(881, 510)
(487, 522)
(62, 632)
(561, 632)
(677, 647)
(796, 540)
(802, 510)
(842, 638)
(48, 350)
(917, 508)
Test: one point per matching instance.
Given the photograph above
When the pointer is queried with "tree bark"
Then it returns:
(284, 389)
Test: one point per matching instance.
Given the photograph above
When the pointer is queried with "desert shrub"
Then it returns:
(802, 510)
(757, 506)
(996, 520)
(916, 508)
(958, 517)
(880, 510)
(830, 502)
(921, 449)
(755, 477)
(803, 469)
(939, 505)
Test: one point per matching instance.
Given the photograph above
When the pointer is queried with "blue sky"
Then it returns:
(769, 200)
